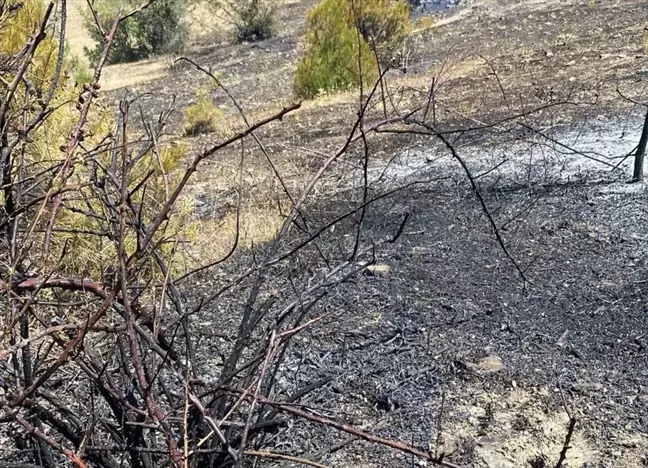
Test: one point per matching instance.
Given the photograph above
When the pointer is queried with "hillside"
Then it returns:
(451, 305)
(466, 274)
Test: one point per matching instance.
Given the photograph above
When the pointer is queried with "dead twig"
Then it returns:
(480, 197)
(400, 446)
(29, 429)
(280, 456)
(566, 446)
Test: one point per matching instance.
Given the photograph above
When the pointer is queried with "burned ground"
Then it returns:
(452, 300)
(450, 321)
(447, 347)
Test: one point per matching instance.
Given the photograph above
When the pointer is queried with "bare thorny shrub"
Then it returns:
(99, 347)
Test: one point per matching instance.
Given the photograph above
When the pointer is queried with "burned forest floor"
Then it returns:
(457, 343)
(447, 345)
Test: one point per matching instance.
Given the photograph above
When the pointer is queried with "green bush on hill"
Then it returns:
(253, 20)
(158, 29)
(202, 116)
(345, 41)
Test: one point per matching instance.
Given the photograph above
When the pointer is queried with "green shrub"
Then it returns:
(384, 24)
(330, 62)
(158, 29)
(19, 21)
(254, 20)
(79, 70)
(345, 36)
(202, 116)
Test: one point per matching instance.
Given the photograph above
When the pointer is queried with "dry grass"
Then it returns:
(260, 216)
(332, 99)
(424, 23)
(463, 68)
(202, 24)
(130, 74)
(77, 36)
(258, 224)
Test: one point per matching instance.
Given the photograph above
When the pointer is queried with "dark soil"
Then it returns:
(452, 299)
(453, 322)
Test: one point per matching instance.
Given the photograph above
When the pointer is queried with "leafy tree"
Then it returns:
(344, 39)
(158, 29)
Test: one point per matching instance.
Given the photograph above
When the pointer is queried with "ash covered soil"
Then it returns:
(451, 340)
(451, 337)
(452, 312)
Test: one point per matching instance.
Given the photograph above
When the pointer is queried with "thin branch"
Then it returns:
(479, 196)
(567, 147)
(29, 429)
(400, 446)
(166, 209)
(566, 446)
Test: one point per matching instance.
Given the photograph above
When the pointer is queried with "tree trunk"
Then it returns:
(641, 152)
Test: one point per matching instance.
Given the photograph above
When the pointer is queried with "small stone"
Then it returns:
(378, 270)
(631, 441)
(491, 364)
(587, 387)
(449, 448)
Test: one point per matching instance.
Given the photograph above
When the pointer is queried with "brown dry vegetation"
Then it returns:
(489, 59)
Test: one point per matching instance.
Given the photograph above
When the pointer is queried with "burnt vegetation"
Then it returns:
(411, 267)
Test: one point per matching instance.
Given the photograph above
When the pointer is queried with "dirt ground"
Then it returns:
(451, 338)
(488, 59)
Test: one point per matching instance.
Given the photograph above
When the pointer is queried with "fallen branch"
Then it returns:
(566, 446)
(400, 446)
